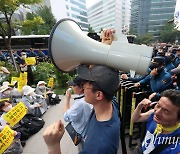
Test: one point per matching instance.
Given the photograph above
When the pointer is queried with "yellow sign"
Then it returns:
(14, 79)
(4, 99)
(23, 77)
(30, 61)
(15, 114)
(6, 138)
(22, 81)
(51, 82)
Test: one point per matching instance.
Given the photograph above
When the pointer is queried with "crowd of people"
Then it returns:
(38, 54)
(94, 116)
(36, 100)
(102, 133)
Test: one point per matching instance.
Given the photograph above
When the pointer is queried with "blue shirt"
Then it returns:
(169, 67)
(102, 137)
(160, 82)
(176, 61)
(151, 141)
(78, 114)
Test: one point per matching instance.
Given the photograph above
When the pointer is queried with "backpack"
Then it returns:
(25, 133)
(54, 99)
(32, 123)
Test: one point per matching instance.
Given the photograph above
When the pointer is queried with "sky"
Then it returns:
(89, 3)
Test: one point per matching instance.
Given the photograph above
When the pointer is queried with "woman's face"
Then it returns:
(7, 107)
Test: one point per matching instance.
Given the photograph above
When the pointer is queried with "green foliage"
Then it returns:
(62, 78)
(48, 18)
(132, 31)
(39, 27)
(169, 33)
(12, 71)
(44, 71)
(90, 29)
(144, 39)
(32, 26)
(7, 9)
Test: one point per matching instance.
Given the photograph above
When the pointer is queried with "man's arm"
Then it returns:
(52, 137)
(67, 104)
(142, 117)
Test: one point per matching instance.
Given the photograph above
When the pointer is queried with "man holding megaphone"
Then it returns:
(103, 130)
(69, 47)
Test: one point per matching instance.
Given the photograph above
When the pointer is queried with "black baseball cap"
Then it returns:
(106, 78)
(158, 59)
(76, 81)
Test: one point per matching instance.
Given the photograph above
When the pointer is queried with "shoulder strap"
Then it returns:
(79, 97)
(161, 147)
(92, 112)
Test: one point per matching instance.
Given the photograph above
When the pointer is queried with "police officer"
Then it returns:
(158, 79)
(169, 57)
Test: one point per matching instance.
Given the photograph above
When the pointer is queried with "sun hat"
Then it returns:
(4, 88)
(27, 90)
(41, 82)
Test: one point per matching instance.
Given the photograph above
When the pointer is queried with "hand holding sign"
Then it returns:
(15, 114)
(6, 138)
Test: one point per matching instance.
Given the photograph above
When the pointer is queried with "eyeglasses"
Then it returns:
(89, 88)
(86, 87)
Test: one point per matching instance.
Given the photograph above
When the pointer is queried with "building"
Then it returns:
(150, 16)
(177, 15)
(74, 9)
(113, 14)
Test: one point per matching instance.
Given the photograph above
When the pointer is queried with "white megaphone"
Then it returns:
(69, 47)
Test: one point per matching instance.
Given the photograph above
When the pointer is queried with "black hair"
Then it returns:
(2, 104)
(174, 96)
(96, 88)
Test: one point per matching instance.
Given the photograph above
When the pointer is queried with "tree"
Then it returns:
(169, 33)
(90, 29)
(41, 22)
(32, 26)
(7, 9)
(144, 39)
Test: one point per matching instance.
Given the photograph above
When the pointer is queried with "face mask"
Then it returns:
(41, 87)
(7, 92)
(8, 108)
(24, 56)
(160, 69)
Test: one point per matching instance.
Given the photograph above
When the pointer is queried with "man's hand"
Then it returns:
(154, 72)
(52, 136)
(124, 76)
(108, 36)
(152, 96)
(137, 84)
(68, 95)
(145, 103)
